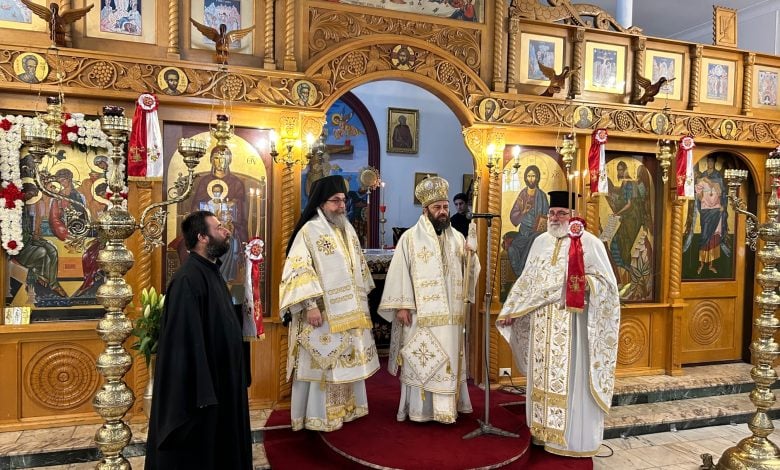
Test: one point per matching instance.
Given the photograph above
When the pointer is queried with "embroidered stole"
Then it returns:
(343, 281)
(431, 265)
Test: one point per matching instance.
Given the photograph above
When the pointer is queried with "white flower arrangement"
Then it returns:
(77, 130)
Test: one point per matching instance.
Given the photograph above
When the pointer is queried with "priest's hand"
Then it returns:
(314, 317)
(404, 316)
(507, 321)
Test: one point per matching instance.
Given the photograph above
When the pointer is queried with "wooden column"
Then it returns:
(173, 29)
(747, 84)
(511, 55)
(577, 61)
(693, 96)
(638, 45)
(498, 45)
(269, 62)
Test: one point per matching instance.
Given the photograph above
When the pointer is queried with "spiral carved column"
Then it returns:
(578, 57)
(269, 62)
(675, 268)
(511, 55)
(498, 44)
(289, 35)
(173, 28)
(693, 96)
(747, 84)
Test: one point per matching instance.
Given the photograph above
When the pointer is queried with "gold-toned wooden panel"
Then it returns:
(59, 377)
(709, 330)
(634, 342)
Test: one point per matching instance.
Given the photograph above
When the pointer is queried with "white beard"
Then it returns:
(558, 231)
(339, 220)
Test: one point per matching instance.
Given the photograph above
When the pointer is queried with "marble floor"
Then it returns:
(679, 450)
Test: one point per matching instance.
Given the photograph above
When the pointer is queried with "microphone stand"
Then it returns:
(484, 426)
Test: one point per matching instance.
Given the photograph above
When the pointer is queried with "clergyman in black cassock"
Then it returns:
(200, 409)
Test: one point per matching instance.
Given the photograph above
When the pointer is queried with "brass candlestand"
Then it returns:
(113, 227)
(757, 451)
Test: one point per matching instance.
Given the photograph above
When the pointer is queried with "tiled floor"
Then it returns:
(679, 450)
(669, 451)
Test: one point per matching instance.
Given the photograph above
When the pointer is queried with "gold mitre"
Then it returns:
(432, 189)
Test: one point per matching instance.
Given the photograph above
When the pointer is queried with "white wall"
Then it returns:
(758, 29)
(441, 145)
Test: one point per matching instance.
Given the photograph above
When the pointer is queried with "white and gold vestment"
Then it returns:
(426, 276)
(568, 357)
(329, 363)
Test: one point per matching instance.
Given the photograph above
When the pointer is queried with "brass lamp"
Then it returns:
(757, 451)
(664, 156)
(114, 226)
(568, 152)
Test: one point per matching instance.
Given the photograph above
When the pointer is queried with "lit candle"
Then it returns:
(272, 140)
(249, 214)
(383, 193)
(257, 215)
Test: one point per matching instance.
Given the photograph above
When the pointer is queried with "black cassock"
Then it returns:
(200, 410)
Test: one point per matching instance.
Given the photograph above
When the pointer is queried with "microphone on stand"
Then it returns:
(477, 215)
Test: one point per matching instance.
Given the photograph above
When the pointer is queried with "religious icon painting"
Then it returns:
(233, 183)
(56, 271)
(766, 90)
(583, 117)
(718, 79)
(172, 81)
(464, 10)
(728, 129)
(30, 67)
(659, 123)
(14, 15)
(304, 93)
(124, 20)
(667, 65)
(403, 57)
(711, 235)
(628, 223)
(524, 205)
(605, 67)
(488, 109)
(234, 14)
(541, 50)
(403, 130)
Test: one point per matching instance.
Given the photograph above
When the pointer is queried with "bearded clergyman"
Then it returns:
(561, 320)
(324, 290)
(429, 284)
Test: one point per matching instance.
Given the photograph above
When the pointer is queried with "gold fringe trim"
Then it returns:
(349, 321)
(439, 320)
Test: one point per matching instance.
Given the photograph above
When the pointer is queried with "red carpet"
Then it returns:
(379, 439)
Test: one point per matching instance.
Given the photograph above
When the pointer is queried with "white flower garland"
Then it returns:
(78, 130)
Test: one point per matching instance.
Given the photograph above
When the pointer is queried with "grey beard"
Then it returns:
(558, 232)
(339, 220)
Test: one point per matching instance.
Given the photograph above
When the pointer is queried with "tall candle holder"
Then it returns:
(757, 451)
(114, 226)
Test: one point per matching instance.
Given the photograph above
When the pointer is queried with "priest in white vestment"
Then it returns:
(324, 288)
(432, 270)
(561, 320)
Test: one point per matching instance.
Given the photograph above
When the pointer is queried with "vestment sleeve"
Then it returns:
(299, 279)
(398, 292)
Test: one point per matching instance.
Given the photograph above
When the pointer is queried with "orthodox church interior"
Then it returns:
(119, 117)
